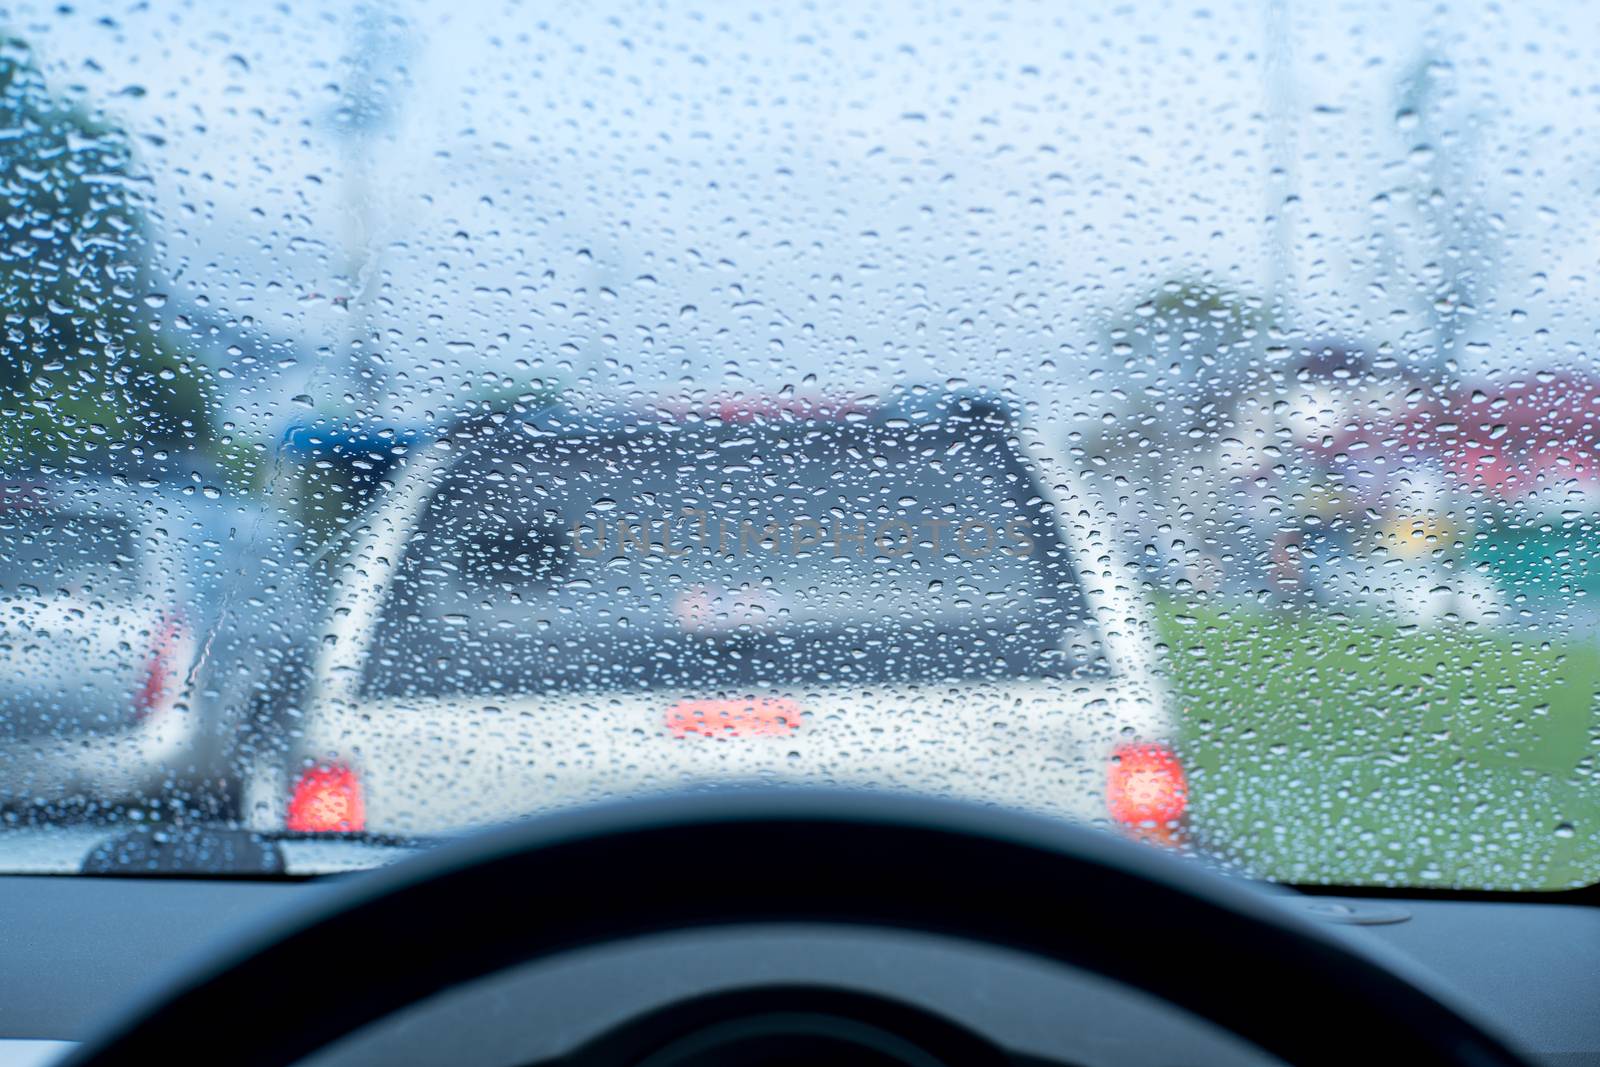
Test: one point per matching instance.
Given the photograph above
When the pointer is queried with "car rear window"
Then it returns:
(53, 553)
(726, 556)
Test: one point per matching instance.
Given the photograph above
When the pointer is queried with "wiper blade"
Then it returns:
(359, 837)
(185, 851)
(223, 851)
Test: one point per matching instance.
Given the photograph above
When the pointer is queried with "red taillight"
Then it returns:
(755, 717)
(327, 800)
(157, 670)
(1145, 784)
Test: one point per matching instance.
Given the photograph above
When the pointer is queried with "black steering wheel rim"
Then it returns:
(390, 938)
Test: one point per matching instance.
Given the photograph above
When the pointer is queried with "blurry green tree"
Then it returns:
(86, 369)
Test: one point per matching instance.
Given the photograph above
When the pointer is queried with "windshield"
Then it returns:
(418, 416)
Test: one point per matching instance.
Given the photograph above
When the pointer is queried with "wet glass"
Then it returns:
(419, 415)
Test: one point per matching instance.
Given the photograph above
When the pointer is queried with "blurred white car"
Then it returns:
(106, 589)
(551, 608)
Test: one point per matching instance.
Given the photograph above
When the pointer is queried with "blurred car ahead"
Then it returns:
(111, 604)
(557, 607)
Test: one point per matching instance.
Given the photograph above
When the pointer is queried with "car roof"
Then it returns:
(124, 498)
(910, 406)
(335, 438)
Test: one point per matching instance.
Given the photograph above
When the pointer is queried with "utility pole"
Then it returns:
(368, 108)
(1453, 229)
(1281, 194)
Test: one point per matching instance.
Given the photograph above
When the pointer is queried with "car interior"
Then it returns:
(756, 941)
(736, 533)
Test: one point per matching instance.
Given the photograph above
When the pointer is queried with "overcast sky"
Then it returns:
(637, 198)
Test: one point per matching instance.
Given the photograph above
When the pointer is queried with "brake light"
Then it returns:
(755, 717)
(1145, 783)
(147, 699)
(327, 800)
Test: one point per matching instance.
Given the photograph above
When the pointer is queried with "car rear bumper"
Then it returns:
(434, 770)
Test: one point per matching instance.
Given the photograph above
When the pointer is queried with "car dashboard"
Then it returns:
(76, 950)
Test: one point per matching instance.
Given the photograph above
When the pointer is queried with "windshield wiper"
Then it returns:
(218, 851)
(360, 837)
(177, 851)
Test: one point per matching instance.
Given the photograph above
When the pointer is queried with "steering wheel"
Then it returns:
(389, 938)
